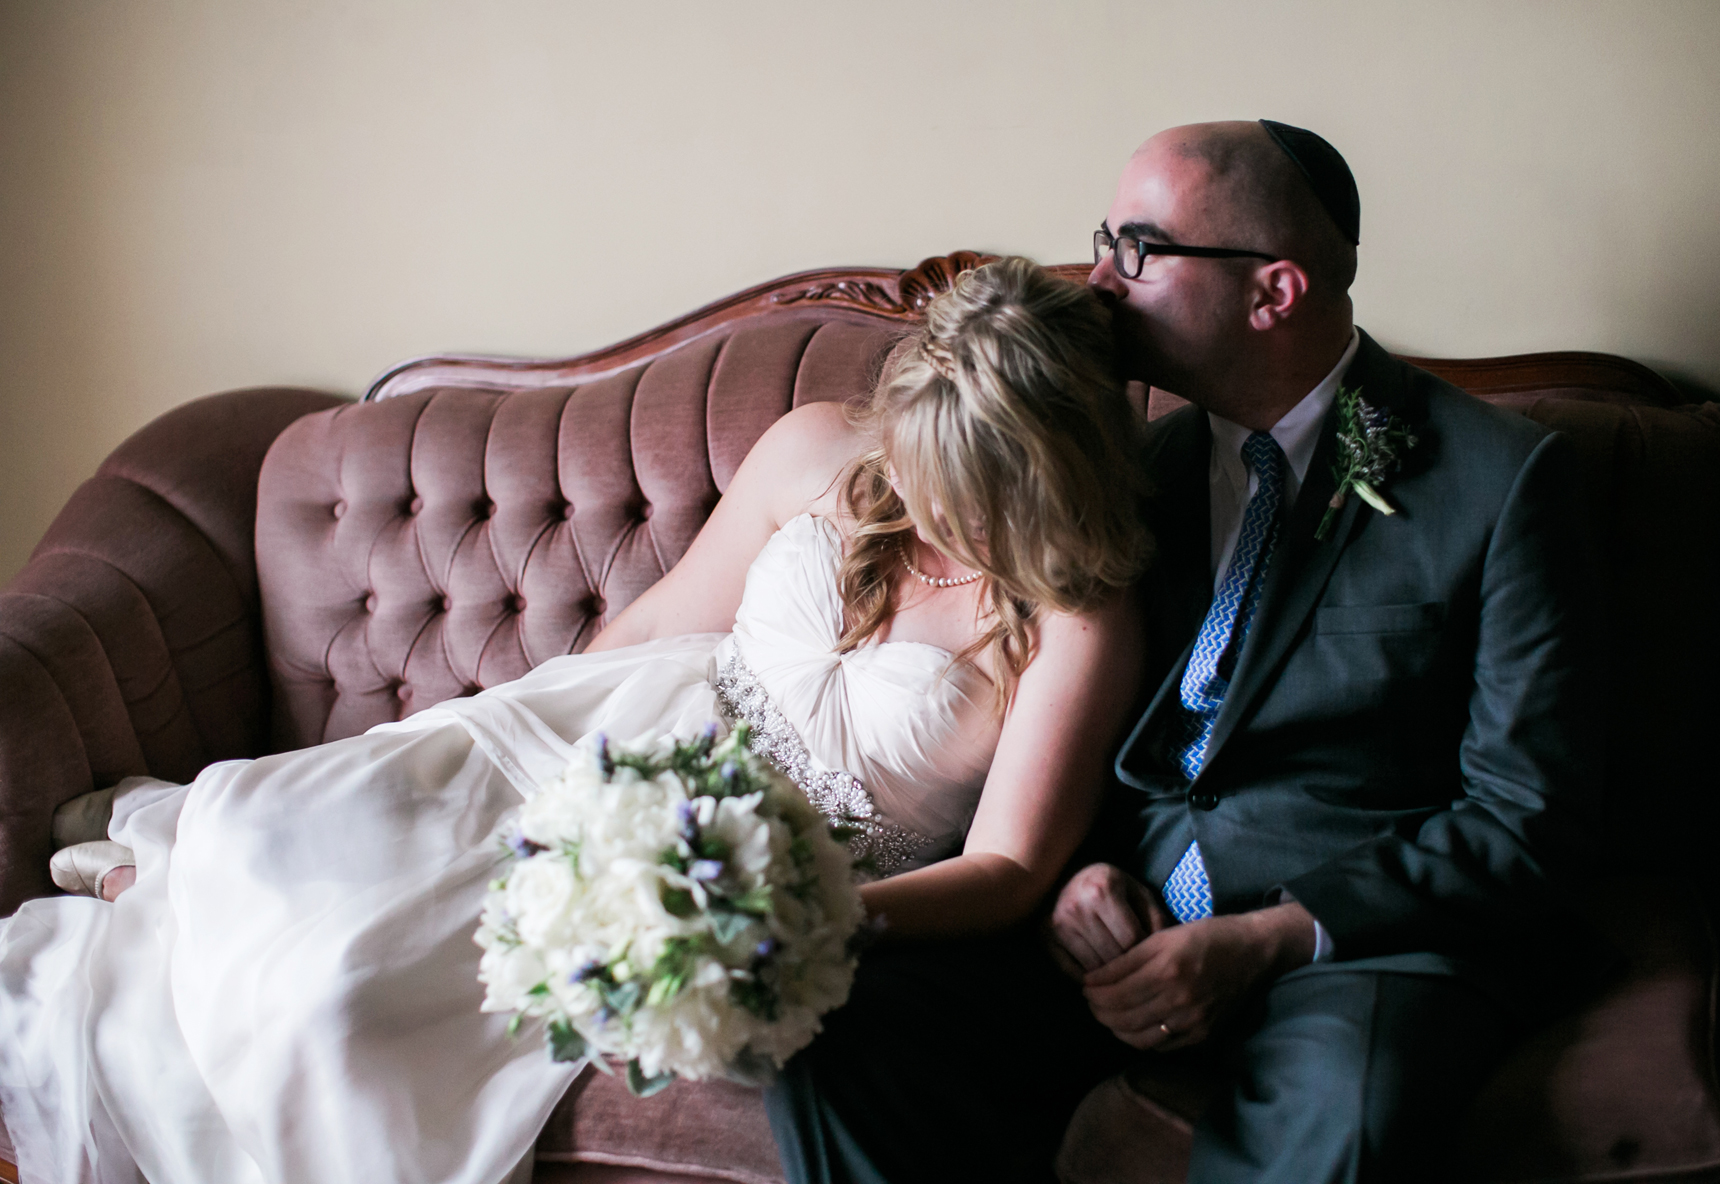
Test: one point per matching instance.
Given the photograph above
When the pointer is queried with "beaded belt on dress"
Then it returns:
(839, 796)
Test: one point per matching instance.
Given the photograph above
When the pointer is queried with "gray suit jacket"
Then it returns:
(1409, 743)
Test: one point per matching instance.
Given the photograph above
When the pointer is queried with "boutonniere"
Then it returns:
(1371, 443)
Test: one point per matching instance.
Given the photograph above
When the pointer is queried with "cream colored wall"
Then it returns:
(199, 194)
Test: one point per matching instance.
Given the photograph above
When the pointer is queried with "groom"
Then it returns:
(1345, 820)
(1335, 860)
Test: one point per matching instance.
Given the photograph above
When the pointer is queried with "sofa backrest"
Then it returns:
(1652, 481)
(429, 544)
(474, 517)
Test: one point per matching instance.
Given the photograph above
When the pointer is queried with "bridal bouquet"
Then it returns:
(679, 907)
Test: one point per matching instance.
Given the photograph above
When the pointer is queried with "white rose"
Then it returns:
(541, 893)
(553, 817)
(509, 972)
(737, 823)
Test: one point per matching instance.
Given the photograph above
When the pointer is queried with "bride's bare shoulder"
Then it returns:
(823, 426)
(802, 456)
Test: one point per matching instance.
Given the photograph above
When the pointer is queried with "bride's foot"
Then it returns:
(84, 819)
(103, 869)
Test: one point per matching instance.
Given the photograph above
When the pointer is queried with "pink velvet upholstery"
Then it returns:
(442, 541)
(131, 641)
(714, 1130)
(195, 601)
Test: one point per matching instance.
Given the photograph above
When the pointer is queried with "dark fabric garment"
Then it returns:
(950, 1061)
(1338, 1074)
(1410, 744)
(1350, 1077)
(1326, 172)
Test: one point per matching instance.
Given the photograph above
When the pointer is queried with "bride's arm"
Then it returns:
(1044, 787)
(792, 469)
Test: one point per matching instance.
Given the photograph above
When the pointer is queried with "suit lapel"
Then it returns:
(1179, 584)
(1181, 521)
(1301, 565)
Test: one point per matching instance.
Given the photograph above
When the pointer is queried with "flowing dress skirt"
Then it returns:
(289, 993)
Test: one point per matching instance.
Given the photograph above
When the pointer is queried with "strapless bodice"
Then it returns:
(897, 730)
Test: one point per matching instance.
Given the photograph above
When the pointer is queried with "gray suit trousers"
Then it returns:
(964, 1061)
(1350, 1075)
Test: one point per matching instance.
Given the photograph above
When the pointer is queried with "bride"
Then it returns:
(919, 610)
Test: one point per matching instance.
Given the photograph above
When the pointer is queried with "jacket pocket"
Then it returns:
(1379, 618)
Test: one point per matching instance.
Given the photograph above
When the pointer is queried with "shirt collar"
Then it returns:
(1298, 432)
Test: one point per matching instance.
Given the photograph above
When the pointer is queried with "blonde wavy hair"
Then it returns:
(1012, 442)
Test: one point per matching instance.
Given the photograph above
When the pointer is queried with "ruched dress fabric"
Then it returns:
(289, 992)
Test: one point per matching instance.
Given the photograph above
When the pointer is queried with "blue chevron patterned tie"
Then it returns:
(1187, 893)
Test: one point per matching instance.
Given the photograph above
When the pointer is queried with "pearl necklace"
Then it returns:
(932, 581)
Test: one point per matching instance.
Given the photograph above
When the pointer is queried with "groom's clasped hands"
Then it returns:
(1157, 984)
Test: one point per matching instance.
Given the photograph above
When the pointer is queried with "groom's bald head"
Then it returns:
(1243, 189)
(1245, 337)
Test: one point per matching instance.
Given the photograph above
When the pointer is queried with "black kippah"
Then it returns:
(1327, 174)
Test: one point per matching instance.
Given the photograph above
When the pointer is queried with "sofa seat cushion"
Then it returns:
(1122, 1134)
(1622, 1088)
(706, 1130)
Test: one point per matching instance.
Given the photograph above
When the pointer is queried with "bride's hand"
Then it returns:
(1101, 913)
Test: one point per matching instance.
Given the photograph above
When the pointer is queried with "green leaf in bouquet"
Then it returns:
(539, 991)
(641, 1086)
(756, 901)
(565, 1043)
(672, 970)
(757, 997)
(672, 858)
(711, 847)
(625, 997)
(621, 998)
(801, 852)
(679, 902)
(647, 767)
(808, 890)
(728, 924)
(665, 989)
(514, 1023)
(674, 956)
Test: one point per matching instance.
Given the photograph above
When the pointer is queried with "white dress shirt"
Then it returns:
(1232, 483)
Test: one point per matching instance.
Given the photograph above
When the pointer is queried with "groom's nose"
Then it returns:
(1105, 282)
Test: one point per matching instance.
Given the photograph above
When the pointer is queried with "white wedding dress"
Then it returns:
(289, 992)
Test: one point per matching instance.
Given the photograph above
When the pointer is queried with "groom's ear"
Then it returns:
(1280, 287)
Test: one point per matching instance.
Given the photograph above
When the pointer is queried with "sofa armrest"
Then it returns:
(131, 641)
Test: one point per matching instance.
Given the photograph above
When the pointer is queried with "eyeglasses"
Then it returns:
(1129, 254)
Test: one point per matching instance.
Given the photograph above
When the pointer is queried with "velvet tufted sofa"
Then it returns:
(272, 568)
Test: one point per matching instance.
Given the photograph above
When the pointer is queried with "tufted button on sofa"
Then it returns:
(446, 536)
(273, 568)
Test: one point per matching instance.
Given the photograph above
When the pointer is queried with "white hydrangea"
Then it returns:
(677, 906)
